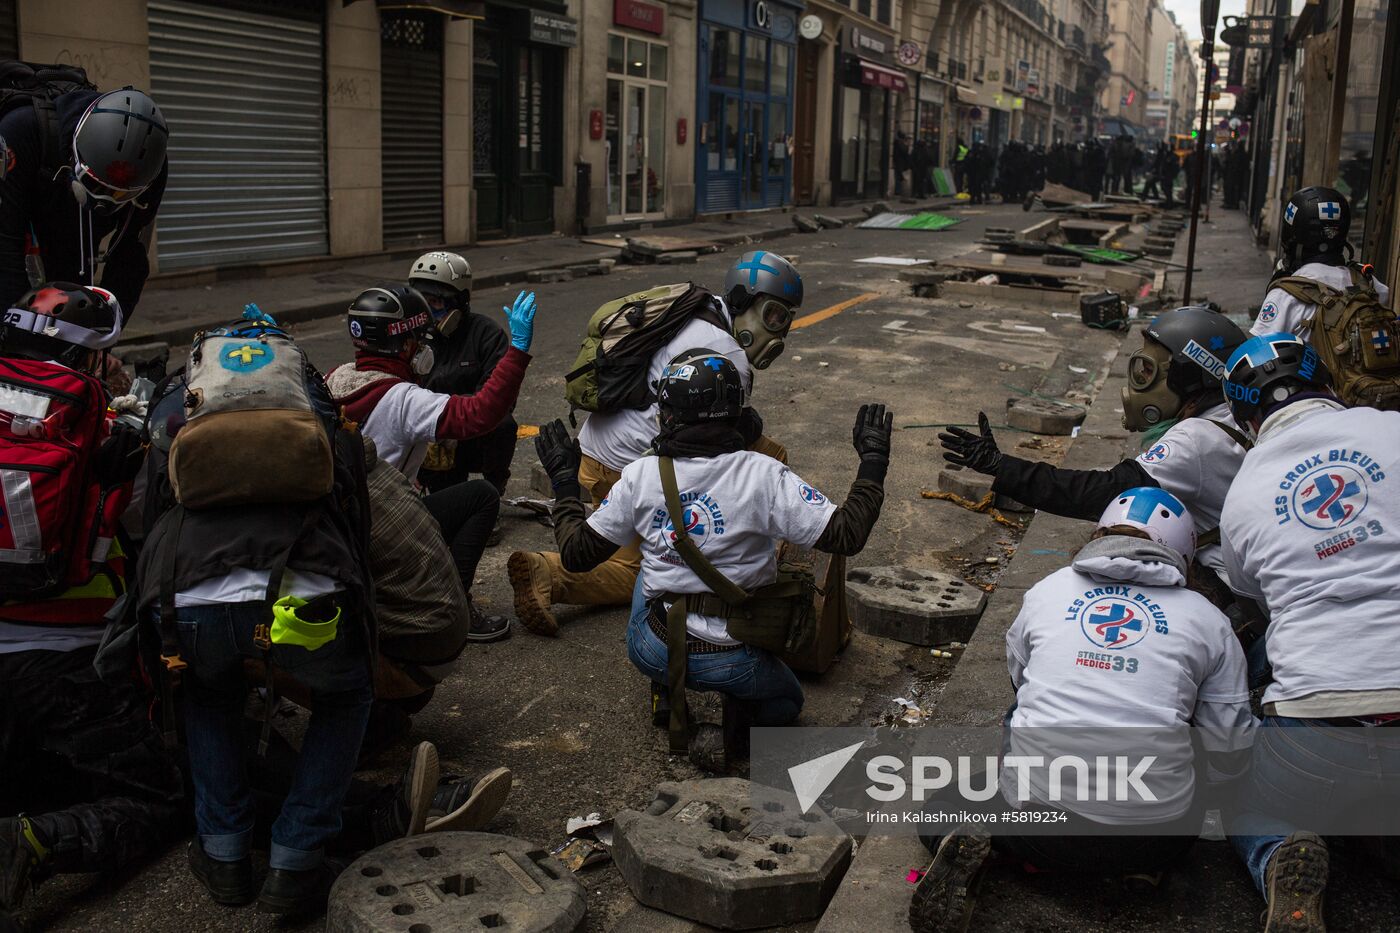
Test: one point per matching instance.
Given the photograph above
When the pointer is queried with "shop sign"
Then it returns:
(762, 15)
(1033, 82)
(909, 54)
(1023, 71)
(810, 27)
(634, 14)
(553, 29)
(931, 92)
(865, 42)
(877, 76)
(994, 71)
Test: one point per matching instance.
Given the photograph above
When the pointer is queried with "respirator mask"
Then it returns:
(423, 359)
(1146, 398)
(760, 330)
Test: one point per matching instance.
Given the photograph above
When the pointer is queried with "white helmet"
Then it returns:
(1160, 514)
(447, 269)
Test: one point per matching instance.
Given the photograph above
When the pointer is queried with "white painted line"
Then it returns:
(895, 325)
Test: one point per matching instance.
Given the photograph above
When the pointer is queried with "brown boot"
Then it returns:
(1297, 878)
(529, 577)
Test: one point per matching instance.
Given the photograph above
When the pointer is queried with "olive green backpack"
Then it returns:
(610, 373)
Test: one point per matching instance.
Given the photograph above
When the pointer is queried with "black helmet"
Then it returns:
(382, 319)
(699, 385)
(119, 146)
(1266, 370)
(1315, 225)
(1201, 341)
(762, 273)
(61, 321)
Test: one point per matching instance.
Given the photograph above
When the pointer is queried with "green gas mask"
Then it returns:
(1147, 400)
(761, 328)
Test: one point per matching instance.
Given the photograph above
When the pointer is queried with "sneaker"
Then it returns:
(530, 578)
(468, 805)
(484, 627)
(228, 883)
(406, 811)
(298, 893)
(946, 894)
(1297, 878)
(21, 857)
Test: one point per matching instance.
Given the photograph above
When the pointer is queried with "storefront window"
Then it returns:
(1359, 120)
(612, 144)
(616, 54)
(636, 58)
(778, 70)
(777, 137)
(636, 127)
(755, 64)
(657, 71)
(850, 122)
(724, 57)
(656, 146)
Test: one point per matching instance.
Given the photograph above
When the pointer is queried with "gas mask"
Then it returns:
(1146, 399)
(422, 360)
(760, 330)
(447, 310)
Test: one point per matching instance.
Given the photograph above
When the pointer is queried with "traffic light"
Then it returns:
(1195, 133)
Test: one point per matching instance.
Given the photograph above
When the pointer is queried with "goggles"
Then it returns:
(776, 316)
(1142, 370)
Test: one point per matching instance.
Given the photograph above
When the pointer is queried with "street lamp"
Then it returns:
(1210, 12)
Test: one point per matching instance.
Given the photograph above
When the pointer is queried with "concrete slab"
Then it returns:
(919, 607)
(719, 852)
(805, 224)
(974, 486)
(1043, 416)
(456, 881)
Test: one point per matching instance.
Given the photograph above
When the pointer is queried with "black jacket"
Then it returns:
(31, 200)
(464, 360)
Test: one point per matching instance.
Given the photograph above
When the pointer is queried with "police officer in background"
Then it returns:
(91, 167)
(1312, 528)
(466, 348)
(1173, 383)
(1313, 237)
(759, 502)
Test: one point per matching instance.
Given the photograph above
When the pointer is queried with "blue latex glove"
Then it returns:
(521, 318)
(251, 312)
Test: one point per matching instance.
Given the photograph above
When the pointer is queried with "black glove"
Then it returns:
(871, 435)
(750, 426)
(120, 457)
(976, 451)
(559, 454)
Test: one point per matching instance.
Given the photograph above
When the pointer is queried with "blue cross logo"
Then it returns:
(1112, 627)
(1330, 210)
(713, 363)
(1146, 499)
(1217, 344)
(1290, 212)
(754, 266)
(1331, 489)
(1381, 341)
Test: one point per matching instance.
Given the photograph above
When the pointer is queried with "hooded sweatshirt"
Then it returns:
(403, 418)
(1117, 641)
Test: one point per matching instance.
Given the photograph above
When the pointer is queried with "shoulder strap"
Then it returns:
(686, 547)
(50, 137)
(1235, 435)
(1305, 289)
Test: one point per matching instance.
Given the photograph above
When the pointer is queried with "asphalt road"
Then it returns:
(569, 715)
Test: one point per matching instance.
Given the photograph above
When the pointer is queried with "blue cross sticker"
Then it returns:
(1290, 212)
(713, 363)
(754, 266)
(1330, 210)
(1217, 344)
(1146, 499)
(1381, 341)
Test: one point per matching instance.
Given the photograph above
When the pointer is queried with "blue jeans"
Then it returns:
(214, 641)
(1303, 771)
(746, 673)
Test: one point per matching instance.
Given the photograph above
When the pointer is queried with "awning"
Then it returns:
(968, 95)
(880, 76)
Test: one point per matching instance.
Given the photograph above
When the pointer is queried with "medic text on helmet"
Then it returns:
(1206, 359)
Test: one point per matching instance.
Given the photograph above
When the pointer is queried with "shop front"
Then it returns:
(518, 71)
(928, 117)
(635, 115)
(746, 58)
(865, 103)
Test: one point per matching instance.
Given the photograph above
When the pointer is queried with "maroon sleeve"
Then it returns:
(468, 416)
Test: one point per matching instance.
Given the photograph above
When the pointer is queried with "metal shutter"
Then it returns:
(243, 94)
(9, 30)
(410, 127)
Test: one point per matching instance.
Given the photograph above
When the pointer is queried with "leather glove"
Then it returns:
(975, 451)
(120, 457)
(750, 426)
(559, 453)
(521, 318)
(871, 435)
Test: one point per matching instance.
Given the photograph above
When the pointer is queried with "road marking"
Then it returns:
(894, 325)
(816, 317)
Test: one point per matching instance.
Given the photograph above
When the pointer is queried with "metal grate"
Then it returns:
(243, 94)
(411, 127)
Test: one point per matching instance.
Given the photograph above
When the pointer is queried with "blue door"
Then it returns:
(742, 160)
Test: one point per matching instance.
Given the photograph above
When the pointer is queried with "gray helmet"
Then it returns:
(119, 146)
(446, 269)
(762, 273)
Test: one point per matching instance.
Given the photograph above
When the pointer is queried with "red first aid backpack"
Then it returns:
(55, 521)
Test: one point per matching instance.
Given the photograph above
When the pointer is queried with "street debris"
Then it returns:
(919, 607)
(925, 220)
(1043, 415)
(590, 842)
(892, 261)
(985, 505)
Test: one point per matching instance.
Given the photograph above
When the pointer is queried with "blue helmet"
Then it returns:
(1160, 515)
(1265, 371)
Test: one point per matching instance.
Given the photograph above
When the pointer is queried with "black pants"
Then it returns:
(84, 762)
(490, 455)
(466, 513)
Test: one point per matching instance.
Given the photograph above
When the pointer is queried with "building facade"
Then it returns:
(1124, 98)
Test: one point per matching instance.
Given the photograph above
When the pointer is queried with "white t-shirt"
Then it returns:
(1109, 654)
(14, 638)
(1281, 313)
(1196, 462)
(737, 507)
(250, 586)
(617, 439)
(1312, 527)
(403, 424)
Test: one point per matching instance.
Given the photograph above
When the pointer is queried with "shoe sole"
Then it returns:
(488, 796)
(501, 635)
(424, 778)
(1297, 881)
(532, 615)
(945, 895)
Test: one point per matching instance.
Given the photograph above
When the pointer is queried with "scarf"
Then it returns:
(1131, 560)
(706, 439)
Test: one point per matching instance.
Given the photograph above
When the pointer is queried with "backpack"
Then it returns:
(1356, 336)
(259, 422)
(23, 84)
(610, 373)
(56, 522)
